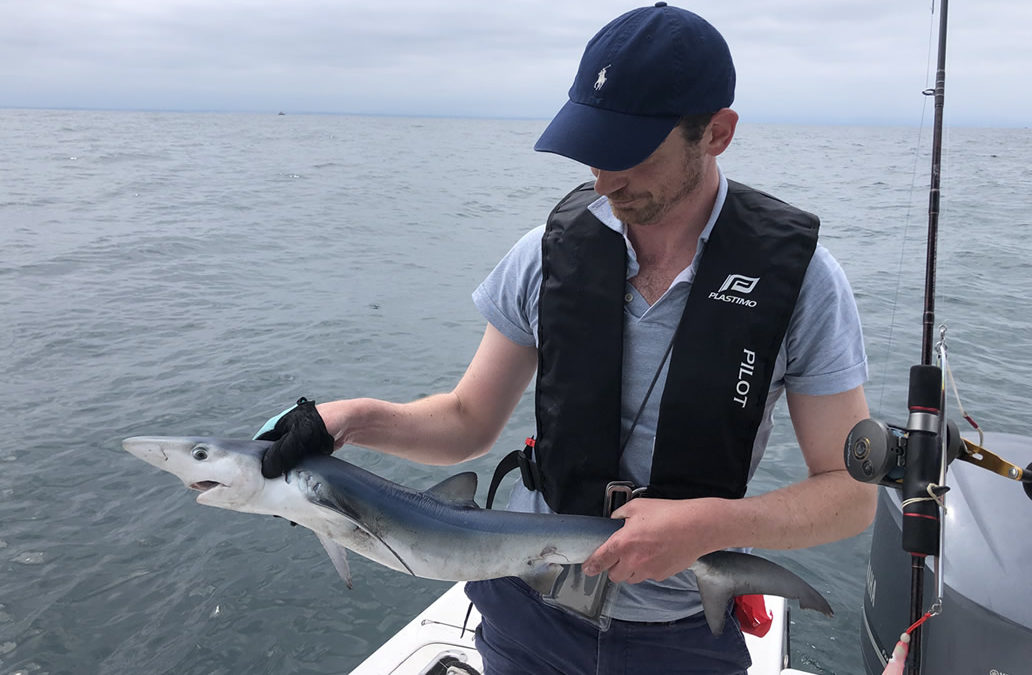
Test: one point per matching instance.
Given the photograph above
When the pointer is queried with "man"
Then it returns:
(665, 311)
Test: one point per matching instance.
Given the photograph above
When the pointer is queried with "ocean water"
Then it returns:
(193, 274)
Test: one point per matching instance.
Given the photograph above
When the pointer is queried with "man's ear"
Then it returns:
(720, 131)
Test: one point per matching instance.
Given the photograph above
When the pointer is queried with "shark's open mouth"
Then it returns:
(204, 485)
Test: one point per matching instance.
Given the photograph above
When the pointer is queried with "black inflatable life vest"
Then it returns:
(721, 366)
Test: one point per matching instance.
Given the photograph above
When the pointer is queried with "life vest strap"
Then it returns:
(517, 459)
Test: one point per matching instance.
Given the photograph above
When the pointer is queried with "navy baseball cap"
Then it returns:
(639, 75)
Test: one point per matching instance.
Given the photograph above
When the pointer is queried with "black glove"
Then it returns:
(299, 433)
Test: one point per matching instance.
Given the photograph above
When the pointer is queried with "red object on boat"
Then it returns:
(751, 612)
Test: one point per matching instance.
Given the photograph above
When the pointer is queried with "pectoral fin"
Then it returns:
(339, 556)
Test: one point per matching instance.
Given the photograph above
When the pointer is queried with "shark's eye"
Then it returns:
(200, 453)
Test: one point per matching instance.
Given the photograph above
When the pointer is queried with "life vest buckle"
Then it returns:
(618, 493)
(529, 470)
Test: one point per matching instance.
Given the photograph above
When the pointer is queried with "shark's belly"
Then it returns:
(473, 556)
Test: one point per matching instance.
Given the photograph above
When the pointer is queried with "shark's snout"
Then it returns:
(219, 469)
(147, 448)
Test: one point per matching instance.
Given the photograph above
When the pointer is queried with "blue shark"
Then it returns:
(438, 533)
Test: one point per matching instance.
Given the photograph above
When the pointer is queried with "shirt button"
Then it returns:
(628, 297)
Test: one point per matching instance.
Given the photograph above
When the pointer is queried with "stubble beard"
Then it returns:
(654, 209)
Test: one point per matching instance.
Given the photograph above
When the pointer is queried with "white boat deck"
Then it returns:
(437, 633)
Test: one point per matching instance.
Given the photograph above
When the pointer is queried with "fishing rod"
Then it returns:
(911, 457)
(934, 192)
(914, 458)
(922, 489)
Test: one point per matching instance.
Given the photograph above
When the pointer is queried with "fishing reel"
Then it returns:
(876, 452)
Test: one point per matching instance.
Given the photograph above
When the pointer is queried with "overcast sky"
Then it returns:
(805, 61)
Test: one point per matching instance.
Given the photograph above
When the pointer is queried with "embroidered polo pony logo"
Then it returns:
(601, 81)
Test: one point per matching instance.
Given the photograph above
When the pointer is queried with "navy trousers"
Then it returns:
(520, 635)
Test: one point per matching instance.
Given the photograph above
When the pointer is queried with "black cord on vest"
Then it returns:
(648, 394)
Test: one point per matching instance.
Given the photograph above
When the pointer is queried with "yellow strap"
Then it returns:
(976, 454)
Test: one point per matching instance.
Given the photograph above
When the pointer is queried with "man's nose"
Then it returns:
(608, 182)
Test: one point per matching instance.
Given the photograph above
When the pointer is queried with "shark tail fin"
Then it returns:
(724, 575)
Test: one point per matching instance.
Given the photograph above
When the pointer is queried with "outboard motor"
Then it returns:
(985, 625)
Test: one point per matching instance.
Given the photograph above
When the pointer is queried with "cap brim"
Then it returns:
(603, 139)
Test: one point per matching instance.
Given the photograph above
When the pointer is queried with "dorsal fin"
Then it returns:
(460, 488)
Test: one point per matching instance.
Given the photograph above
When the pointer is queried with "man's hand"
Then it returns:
(662, 537)
(659, 538)
(298, 433)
